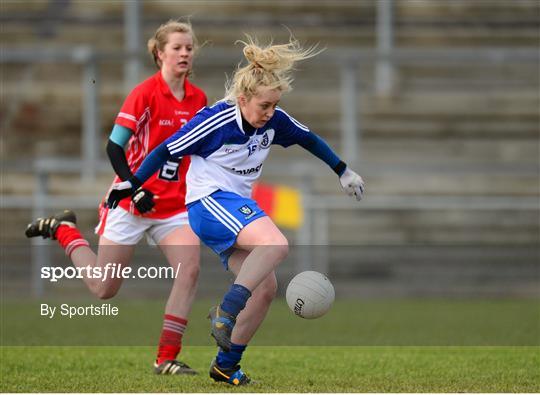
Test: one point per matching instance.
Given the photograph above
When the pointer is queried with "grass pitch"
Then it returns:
(368, 346)
(278, 369)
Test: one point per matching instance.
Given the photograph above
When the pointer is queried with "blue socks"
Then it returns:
(230, 359)
(235, 300)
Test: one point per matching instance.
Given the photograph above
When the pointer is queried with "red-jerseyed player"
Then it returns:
(152, 112)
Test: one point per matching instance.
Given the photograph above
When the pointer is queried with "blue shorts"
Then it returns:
(218, 218)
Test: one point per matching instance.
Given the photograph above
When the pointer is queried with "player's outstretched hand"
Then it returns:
(144, 200)
(119, 191)
(352, 184)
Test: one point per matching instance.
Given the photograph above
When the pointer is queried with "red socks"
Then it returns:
(70, 238)
(170, 342)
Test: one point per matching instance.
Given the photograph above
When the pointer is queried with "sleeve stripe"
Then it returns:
(298, 124)
(127, 116)
(202, 134)
(200, 128)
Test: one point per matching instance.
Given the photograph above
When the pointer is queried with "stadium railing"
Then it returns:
(313, 232)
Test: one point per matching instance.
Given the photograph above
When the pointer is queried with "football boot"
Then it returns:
(46, 227)
(232, 376)
(173, 366)
(222, 324)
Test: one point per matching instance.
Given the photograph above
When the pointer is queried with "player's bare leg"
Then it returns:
(182, 250)
(225, 367)
(249, 319)
(109, 253)
(63, 228)
(267, 247)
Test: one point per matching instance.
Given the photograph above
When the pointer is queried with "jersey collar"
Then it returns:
(239, 118)
(188, 88)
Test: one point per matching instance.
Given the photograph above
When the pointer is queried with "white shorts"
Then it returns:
(127, 229)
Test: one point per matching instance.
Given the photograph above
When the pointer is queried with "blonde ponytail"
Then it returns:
(269, 66)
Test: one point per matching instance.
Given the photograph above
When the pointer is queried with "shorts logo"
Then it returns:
(247, 211)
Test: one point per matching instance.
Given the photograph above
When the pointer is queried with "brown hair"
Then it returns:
(160, 38)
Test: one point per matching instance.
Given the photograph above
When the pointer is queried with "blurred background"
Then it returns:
(435, 103)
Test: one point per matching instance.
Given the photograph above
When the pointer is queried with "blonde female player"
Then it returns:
(229, 143)
(151, 113)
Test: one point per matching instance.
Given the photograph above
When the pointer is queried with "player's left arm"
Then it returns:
(293, 132)
(351, 182)
(186, 141)
(149, 166)
(119, 138)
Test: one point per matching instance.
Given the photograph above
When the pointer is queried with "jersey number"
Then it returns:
(169, 171)
(252, 149)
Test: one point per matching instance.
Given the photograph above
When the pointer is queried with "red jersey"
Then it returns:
(153, 114)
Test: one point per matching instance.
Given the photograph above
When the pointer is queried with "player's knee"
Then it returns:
(278, 244)
(284, 252)
(105, 294)
(281, 250)
(191, 271)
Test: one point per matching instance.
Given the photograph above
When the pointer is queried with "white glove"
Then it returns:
(352, 184)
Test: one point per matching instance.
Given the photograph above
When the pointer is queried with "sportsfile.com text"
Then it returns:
(109, 271)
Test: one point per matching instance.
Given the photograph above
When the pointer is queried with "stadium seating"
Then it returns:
(457, 129)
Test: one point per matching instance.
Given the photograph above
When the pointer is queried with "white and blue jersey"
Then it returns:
(225, 162)
(224, 156)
